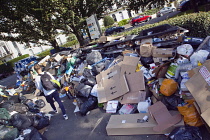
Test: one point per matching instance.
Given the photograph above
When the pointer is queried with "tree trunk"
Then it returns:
(194, 6)
(79, 38)
(55, 45)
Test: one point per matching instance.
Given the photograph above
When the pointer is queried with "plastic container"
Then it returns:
(171, 70)
(143, 106)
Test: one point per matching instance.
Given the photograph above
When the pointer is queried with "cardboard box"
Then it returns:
(200, 89)
(163, 117)
(157, 59)
(162, 52)
(146, 50)
(128, 125)
(133, 97)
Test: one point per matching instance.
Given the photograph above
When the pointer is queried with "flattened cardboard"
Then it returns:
(112, 88)
(162, 52)
(129, 65)
(133, 97)
(127, 125)
(135, 81)
(163, 117)
(200, 90)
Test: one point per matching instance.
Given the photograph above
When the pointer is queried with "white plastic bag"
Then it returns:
(199, 57)
(143, 106)
(94, 91)
(185, 49)
(185, 78)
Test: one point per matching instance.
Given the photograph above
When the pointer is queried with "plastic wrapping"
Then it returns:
(185, 133)
(21, 121)
(199, 57)
(171, 102)
(20, 108)
(90, 81)
(7, 133)
(88, 105)
(93, 57)
(168, 87)
(83, 90)
(4, 114)
(191, 116)
(32, 134)
(40, 122)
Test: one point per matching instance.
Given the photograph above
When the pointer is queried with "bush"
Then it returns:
(196, 23)
(70, 43)
(108, 21)
(123, 22)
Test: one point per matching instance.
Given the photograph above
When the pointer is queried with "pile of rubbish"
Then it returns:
(156, 82)
(20, 118)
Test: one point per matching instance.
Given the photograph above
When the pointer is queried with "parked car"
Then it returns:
(135, 21)
(165, 10)
(113, 29)
(186, 5)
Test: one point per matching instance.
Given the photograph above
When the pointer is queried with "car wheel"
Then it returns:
(121, 30)
(148, 19)
(161, 15)
(173, 10)
(136, 23)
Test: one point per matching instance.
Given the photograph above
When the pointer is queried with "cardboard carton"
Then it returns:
(162, 52)
(200, 89)
(128, 125)
(146, 50)
(158, 59)
(163, 117)
(133, 97)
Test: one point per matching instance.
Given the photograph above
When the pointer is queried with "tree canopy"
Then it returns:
(35, 20)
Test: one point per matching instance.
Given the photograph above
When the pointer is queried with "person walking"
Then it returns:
(49, 94)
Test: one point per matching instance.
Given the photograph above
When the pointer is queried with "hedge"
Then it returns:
(198, 24)
(10, 64)
(44, 53)
(70, 43)
(123, 22)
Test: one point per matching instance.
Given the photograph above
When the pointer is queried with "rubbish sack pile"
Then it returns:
(148, 80)
(17, 113)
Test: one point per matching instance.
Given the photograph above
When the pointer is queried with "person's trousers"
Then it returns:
(50, 100)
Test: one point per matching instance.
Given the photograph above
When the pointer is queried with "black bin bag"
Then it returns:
(185, 133)
(88, 105)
